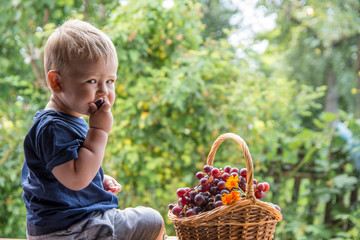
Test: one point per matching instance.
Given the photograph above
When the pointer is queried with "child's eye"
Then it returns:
(110, 81)
(91, 81)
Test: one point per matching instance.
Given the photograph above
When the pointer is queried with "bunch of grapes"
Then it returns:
(212, 188)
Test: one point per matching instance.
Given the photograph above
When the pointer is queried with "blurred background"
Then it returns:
(284, 75)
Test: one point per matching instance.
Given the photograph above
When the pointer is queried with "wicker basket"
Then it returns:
(247, 219)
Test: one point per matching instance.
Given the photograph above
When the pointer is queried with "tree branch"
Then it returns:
(334, 43)
(46, 16)
(102, 12)
(34, 66)
(86, 5)
(357, 108)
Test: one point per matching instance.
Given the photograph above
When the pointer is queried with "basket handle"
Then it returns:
(247, 156)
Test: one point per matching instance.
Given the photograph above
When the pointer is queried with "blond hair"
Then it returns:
(76, 41)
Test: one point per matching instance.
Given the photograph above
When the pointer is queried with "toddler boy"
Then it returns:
(65, 191)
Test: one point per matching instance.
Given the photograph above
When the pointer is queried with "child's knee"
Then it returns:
(161, 225)
(162, 231)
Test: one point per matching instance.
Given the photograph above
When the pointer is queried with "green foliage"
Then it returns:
(313, 38)
(15, 119)
(217, 14)
(176, 92)
(316, 43)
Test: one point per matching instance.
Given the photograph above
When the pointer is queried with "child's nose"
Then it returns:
(103, 89)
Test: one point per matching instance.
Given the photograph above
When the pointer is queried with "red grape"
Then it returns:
(180, 202)
(218, 203)
(242, 180)
(215, 182)
(243, 186)
(221, 185)
(176, 210)
(227, 169)
(224, 191)
(185, 201)
(260, 187)
(199, 200)
(225, 176)
(190, 212)
(235, 170)
(259, 194)
(207, 168)
(180, 192)
(204, 181)
(205, 188)
(243, 172)
(192, 195)
(218, 197)
(215, 172)
(210, 206)
(187, 192)
(266, 186)
(200, 175)
(197, 209)
(213, 190)
(234, 174)
(99, 103)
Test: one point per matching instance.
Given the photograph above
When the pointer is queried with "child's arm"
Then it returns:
(78, 173)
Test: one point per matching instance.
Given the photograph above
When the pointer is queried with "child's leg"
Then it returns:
(128, 224)
(137, 223)
(84, 229)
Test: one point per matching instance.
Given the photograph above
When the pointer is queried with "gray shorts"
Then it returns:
(140, 223)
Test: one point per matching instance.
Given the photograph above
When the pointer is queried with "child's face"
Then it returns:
(83, 84)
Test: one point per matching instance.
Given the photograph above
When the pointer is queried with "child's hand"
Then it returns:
(111, 185)
(101, 118)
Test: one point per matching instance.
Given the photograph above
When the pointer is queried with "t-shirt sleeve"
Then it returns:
(57, 144)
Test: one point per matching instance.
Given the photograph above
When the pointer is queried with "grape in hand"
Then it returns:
(99, 103)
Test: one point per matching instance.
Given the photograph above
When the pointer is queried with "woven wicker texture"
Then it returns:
(247, 219)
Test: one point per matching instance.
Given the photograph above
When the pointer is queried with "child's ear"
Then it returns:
(53, 78)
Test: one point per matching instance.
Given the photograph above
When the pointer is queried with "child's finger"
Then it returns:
(92, 107)
(106, 106)
(113, 191)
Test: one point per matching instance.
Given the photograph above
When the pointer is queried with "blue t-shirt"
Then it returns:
(55, 139)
